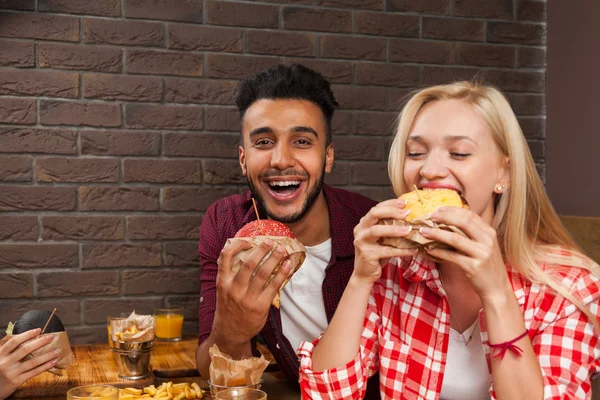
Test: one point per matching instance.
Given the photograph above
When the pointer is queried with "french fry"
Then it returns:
(137, 392)
(166, 391)
(180, 396)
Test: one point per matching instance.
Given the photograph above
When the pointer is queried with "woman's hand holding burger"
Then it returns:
(370, 254)
(478, 253)
(16, 368)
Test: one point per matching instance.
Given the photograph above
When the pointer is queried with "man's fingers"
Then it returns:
(230, 250)
(273, 287)
(243, 276)
(263, 272)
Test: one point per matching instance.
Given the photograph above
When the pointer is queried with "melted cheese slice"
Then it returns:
(430, 201)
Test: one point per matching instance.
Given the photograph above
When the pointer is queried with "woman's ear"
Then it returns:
(503, 176)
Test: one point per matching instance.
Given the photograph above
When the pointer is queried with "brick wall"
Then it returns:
(117, 125)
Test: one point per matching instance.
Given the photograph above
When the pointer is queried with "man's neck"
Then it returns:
(313, 228)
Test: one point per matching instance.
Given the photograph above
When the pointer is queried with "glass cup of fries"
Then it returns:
(169, 324)
(241, 394)
(93, 392)
(166, 391)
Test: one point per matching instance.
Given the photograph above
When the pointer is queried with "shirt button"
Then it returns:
(277, 345)
(201, 299)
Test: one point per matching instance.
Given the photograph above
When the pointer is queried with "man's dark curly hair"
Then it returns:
(288, 82)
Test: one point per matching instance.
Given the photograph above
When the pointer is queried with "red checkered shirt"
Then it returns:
(406, 332)
(223, 219)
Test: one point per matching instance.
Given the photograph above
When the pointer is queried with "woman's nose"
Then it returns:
(434, 167)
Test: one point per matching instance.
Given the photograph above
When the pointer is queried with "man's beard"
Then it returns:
(313, 194)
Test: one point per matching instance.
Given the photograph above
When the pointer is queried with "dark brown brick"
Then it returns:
(16, 198)
(370, 173)
(236, 67)
(18, 228)
(201, 145)
(219, 172)
(70, 56)
(15, 168)
(485, 55)
(15, 286)
(39, 83)
(500, 9)
(187, 11)
(340, 174)
(164, 63)
(441, 75)
(374, 123)
(126, 32)
(360, 98)
(533, 127)
(375, 193)
(537, 149)
(517, 81)
(419, 6)
(39, 26)
(87, 335)
(151, 281)
(205, 38)
(26, 140)
(305, 2)
(18, 111)
(341, 123)
(121, 87)
(164, 117)
(398, 98)
(38, 256)
(420, 51)
(110, 255)
(181, 254)
(241, 14)
(67, 310)
(61, 169)
(107, 8)
(161, 171)
(159, 227)
(120, 143)
(531, 57)
(531, 11)
(222, 119)
(386, 74)
(528, 104)
(83, 228)
(314, 19)
(88, 283)
(333, 71)
(17, 54)
(204, 91)
(189, 304)
(279, 43)
(516, 33)
(193, 199)
(364, 4)
(371, 23)
(354, 148)
(337, 46)
(79, 113)
(102, 198)
(95, 311)
(454, 29)
(25, 5)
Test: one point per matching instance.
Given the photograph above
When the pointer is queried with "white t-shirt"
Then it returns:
(466, 376)
(303, 316)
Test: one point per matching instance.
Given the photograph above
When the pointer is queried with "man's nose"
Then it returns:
(282, 157)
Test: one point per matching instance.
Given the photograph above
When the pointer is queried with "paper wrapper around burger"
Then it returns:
(60, 340)
(135, 328)
(295, 250)
(225, 371)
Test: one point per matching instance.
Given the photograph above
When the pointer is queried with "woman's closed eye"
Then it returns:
(459, 155)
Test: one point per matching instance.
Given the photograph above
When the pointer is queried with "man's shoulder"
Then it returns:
(347, 202)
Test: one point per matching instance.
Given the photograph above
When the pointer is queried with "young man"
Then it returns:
(285, 153)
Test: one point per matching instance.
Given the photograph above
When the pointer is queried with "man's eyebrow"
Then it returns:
(305, 129)
(261, 130)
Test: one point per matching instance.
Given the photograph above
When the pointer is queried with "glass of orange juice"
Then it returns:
(169, 324)
(95, 392)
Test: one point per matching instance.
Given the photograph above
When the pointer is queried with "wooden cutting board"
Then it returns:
(174, 359)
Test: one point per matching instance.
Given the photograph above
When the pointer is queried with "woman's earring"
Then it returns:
(499, 188)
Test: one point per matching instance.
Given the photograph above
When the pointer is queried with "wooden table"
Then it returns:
(168, 362)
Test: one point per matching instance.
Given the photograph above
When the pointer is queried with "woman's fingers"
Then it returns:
(17, 340)
(34, 362)
(36, 371)
(375, 232)
(393, 209)
(466, 220)
(29, 347)
(459, 242)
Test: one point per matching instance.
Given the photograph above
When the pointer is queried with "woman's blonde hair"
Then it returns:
(531, 235)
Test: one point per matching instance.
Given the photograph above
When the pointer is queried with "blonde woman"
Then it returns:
(512, 314)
